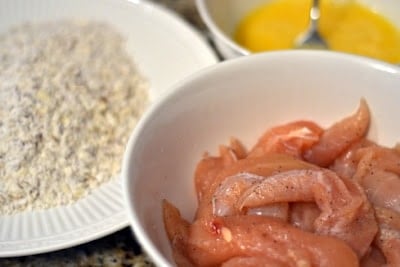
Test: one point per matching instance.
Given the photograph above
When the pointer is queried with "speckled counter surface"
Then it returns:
(118, 249)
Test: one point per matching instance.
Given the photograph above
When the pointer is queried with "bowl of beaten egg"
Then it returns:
(365, 27)
(270, 159)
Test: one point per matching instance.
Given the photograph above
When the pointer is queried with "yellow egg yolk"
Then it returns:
(347, 26)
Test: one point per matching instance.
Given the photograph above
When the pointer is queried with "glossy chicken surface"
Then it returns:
(301, 196)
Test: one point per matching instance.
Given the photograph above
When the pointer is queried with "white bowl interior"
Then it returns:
(223, 16)
(242, 98)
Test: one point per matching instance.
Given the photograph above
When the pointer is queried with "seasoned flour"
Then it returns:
(69, 98)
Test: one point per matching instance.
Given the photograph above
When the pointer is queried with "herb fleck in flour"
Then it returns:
(69, 98)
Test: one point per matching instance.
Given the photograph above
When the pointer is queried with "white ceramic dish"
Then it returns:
(222, 17)
(164, 48)
(243, 97)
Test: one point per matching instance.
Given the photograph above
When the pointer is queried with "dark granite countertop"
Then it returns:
(118, 249)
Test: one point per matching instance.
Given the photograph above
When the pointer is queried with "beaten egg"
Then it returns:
(347, 26)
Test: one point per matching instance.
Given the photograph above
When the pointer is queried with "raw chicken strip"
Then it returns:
(209, 167)
(261, 166)
(276, 210)
(383, 189)
(303, 215)
(388, 239)
(346, 164)
(252, 262)
(340, 136)
(292, 139)
(213, 242)
(178, 232)
(345, 210)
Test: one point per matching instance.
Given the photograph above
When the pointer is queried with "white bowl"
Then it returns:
(242, 98)
(222, 17)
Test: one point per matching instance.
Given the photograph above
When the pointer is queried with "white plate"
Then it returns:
(165, 49)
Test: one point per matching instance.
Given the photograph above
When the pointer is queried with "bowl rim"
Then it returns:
(216, 30)
(221, 37)
(239, 62)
